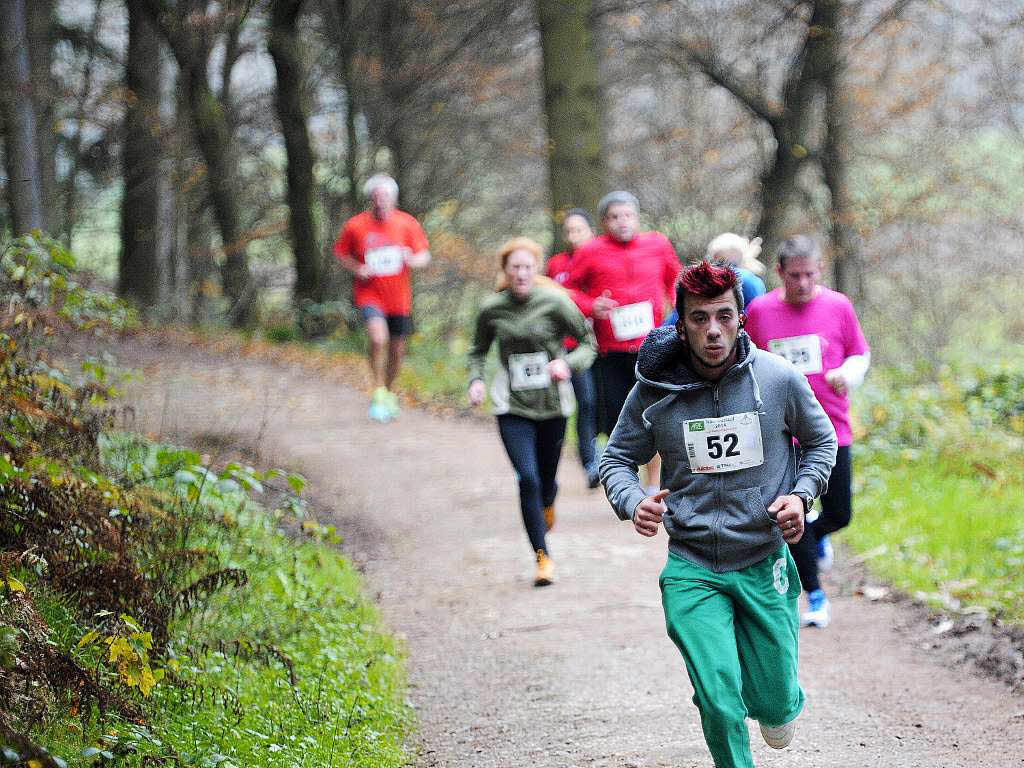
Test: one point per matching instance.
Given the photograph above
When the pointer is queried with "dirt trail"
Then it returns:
(578, 674)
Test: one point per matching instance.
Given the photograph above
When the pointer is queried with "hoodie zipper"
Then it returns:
(718, 484)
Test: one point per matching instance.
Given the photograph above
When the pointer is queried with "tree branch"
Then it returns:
(700, 55)
(83, 40)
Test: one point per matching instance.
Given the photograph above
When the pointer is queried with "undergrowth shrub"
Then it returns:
(128, 617)
(939, 507)
(957, 415)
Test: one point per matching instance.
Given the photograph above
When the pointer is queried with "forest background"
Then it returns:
(202, 156)
(199, 158)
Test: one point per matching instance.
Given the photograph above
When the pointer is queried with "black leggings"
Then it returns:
(836, 510)
(534, 448)
(614, 377)
(586, 416)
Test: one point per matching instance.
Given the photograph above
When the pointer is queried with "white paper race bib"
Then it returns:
(632, 321)
(385, 261)
(802, 351)
(528, 370)
(724, 444)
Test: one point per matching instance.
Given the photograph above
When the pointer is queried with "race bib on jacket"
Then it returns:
(724, 444)
(528, 370)
(802, 351)
(385, 261)
(632, 321)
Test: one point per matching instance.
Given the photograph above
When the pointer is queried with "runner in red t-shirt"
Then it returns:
(577, 229)
(381, 247)
(624, 280)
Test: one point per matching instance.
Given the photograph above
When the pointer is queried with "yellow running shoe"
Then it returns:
(545, 570)
(549, 516)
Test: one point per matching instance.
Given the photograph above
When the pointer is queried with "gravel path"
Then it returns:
(577, 674)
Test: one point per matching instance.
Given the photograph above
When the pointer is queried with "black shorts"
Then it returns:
(398, 325)
(614, 377)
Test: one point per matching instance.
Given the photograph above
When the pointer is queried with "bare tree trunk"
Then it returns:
(290, 98)
(847, 269)
(140, 270)
(814, 78)
(778, 180)
(213, 139)
(793, 127)
(77, 144)
(193, 267)
(337, 16)
(19, 119)
(214, 142)
(352, 153)
(44, 90)
(394, 24)
(571, 100)
(352, 150)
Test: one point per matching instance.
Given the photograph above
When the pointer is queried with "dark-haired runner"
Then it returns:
(624, 279)
(723, 415)
(817, 330)
(578, 229)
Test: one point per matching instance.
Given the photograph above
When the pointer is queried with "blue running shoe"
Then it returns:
(826, 555)
(820, 613)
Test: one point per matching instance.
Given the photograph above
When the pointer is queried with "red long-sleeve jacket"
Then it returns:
(643, 270)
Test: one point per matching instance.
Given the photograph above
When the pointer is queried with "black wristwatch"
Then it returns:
(807, 499)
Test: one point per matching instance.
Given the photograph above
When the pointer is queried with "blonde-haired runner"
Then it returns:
(741, 254)
(529, 319)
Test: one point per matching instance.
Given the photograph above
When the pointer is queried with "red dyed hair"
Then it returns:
(708, 281)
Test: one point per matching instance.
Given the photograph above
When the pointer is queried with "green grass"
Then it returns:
(237, 704)
(433, 371)
(938, 528)
(939, 508)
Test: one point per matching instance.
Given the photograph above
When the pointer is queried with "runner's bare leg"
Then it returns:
(396, 351)
(377, 330)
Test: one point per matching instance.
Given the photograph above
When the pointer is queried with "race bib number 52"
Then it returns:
(724, 444)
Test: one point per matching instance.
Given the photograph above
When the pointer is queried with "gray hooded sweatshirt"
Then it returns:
(718, 519)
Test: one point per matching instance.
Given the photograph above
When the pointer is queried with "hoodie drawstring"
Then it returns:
(656, 405)
(664, 402)
(758, 405)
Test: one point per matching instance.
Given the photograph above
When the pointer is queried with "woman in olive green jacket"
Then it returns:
(529, 317)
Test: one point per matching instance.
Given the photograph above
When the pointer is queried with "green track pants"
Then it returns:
(738, 632)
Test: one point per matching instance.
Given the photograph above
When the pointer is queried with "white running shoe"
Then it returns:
(778, 738)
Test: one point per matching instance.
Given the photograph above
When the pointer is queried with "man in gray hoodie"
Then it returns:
(735, 488)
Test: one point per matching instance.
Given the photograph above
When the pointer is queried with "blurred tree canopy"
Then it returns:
(203, 155)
